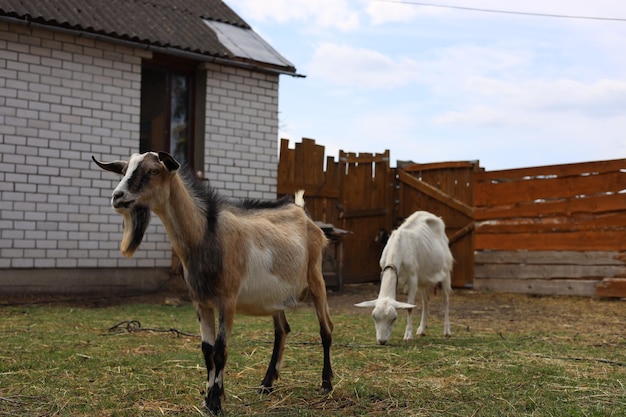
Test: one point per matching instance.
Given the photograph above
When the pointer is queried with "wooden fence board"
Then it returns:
(548, 189)
(593, 204)
(585, 288)
(551, 257)
(611, 287)
(579, 241)
(550, 271)
(554, 224)
(436, 194)
(576, 169)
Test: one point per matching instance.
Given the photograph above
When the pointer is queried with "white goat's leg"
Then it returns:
(421, 331)
(446, 319)
(408, 331)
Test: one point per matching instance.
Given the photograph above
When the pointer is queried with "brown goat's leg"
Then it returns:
(281, 330)
(317, 288)
(215, 386)
(206, 317)
(215, 352)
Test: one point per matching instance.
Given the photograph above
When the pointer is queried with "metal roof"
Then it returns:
(169, 24)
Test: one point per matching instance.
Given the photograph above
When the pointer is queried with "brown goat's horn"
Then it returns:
(114, 166)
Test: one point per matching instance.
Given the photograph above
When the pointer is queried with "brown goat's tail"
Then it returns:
(299, 198)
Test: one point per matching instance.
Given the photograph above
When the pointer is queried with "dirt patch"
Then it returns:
(503, 312)
(469, 310)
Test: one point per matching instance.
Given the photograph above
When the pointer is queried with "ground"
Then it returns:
(503, 312)
(500, 312)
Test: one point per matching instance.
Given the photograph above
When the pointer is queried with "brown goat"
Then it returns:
(253, 257)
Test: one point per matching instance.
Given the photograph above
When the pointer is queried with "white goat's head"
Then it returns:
(144, 187)
(384, 315)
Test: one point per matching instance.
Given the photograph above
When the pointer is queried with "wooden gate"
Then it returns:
(366, 207)
(354, 194)
(447, 190)
(361, 194)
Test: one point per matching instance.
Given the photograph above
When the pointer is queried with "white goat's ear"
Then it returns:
(399, 304)
(371, 303)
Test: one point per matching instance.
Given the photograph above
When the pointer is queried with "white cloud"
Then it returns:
(383, 12)
(338, 14)
(360, 67)
(526, 103)
(442, 69)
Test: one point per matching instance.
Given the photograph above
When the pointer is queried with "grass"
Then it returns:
(63, 361)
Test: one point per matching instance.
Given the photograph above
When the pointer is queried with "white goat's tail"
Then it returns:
(299, 198)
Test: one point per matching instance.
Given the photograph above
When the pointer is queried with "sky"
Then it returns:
(438, 84)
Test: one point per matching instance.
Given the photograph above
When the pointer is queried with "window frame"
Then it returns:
(196, 102)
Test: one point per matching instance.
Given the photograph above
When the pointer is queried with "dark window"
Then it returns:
(167, 111)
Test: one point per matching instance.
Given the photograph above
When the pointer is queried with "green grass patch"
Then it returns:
(63, 361)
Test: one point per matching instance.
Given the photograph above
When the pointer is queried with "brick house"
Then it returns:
(89, 77)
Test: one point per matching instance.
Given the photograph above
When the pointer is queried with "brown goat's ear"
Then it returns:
(170, 163)
(115, 166)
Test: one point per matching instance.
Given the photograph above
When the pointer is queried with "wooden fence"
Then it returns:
(353, 193)
(545, 230)
(360, 193)
(552, 230)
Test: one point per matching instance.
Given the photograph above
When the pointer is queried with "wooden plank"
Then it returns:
(313, 166)
(440, 166)
(611, 287)
(577, 241)
(363, 158)
(551, 257)
(460, 234)
(285, 164)
(586, 288)
(573, 223)
(552, 170)
(364, 213)
(592, 204)
(548, 189)
(309, 190)
(435, 193)
(552, 271)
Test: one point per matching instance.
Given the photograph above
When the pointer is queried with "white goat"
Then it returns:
(416, 258)
(256, 258)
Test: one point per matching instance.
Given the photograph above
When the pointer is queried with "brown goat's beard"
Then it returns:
(136, 221)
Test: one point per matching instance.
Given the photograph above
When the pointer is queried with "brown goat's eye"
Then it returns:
(154, 171)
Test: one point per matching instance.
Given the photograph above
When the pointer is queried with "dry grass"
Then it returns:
(509, 355)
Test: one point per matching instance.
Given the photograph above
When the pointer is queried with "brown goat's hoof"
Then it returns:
(213, 405)
(327, 387)
(265, 390)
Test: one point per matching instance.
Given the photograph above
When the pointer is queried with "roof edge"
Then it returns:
(181, 53)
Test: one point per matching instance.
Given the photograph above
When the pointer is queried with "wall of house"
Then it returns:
(241, 147)
(65, 98)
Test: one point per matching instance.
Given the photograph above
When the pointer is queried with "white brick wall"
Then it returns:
(241, 155)
(65, 98)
